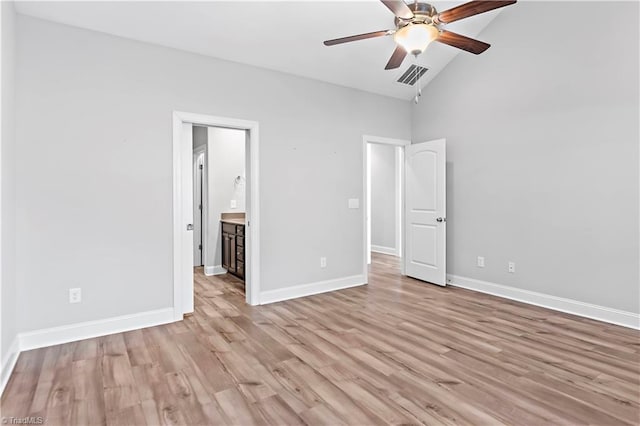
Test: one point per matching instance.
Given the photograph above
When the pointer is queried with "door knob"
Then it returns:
(190, 227)
(441, 219)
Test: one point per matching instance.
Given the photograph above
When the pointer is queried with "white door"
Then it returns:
(197, 209)
(186, 269)
(425, 211)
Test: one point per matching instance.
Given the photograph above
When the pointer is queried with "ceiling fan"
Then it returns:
(418, 23)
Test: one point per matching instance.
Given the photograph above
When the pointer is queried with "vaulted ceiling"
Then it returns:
(284, 36)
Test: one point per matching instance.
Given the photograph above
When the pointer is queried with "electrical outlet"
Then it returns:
(234, 204)
(323, 262)
(512, 267)
(480, 262)
(75, 295)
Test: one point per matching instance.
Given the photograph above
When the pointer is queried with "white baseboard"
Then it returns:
(600, 313)
(303, 290)
(384, 250)
(86, 330)
(214, 270)
(9, 363)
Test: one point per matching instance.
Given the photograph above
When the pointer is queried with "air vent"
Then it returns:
(412, 74)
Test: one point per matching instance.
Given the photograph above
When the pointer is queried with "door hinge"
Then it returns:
(200, 247)
(200, 206)
(201, 166)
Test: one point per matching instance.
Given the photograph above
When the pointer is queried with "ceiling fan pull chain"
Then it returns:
(415, 60)
(417, 77)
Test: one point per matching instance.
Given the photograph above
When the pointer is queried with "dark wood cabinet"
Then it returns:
(233, 249)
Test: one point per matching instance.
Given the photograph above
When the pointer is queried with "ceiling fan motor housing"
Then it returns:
(424, 13)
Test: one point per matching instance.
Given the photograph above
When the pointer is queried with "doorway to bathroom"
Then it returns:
(216, 206)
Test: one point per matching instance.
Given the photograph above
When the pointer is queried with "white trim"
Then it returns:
(197, 150)
(575, 307)
(403, 197)
(177, 218)
(252, 278)
(9, 364)
(304, 290)
(386, 141)
(384, 250)
(401, 143)
(214, 270)
(366, 172)
(368, 201)
(252, 243)
(89, 329)
(399, 151)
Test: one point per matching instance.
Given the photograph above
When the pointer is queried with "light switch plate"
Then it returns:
(234, 204)
(354, 203)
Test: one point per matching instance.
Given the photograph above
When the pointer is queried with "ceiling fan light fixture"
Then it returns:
(414, 38)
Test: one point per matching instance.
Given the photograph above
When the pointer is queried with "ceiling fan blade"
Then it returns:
(399, 8)
(396, 58)
(470, 9)
(462, 42)
(356, 37)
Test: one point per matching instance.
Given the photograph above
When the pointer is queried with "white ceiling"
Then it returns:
(284, 36)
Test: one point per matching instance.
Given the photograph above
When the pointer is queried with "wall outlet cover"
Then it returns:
(75, 295)
(354, 203)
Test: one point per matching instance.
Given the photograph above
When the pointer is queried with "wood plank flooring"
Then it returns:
(397, 351)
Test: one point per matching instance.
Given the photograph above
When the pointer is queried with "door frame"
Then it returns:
(183, 291)
(205, 206)
(400, 143)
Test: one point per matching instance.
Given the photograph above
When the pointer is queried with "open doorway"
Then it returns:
(188, 195)
(199, 196)
(384, 199)
(384, 165)
(412, 179)
(219, 203)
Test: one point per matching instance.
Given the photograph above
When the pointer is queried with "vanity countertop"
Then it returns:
(233, 218)
(233, 221)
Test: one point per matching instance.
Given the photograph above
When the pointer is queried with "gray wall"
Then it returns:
(8, 290)
(95, 212)
(200, 136)
(226, 161)
(383, 195)
(542, 134)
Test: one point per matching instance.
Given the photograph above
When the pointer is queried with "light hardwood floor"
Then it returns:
(397, 351)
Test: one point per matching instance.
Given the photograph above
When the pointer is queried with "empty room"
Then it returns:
(309, 212)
